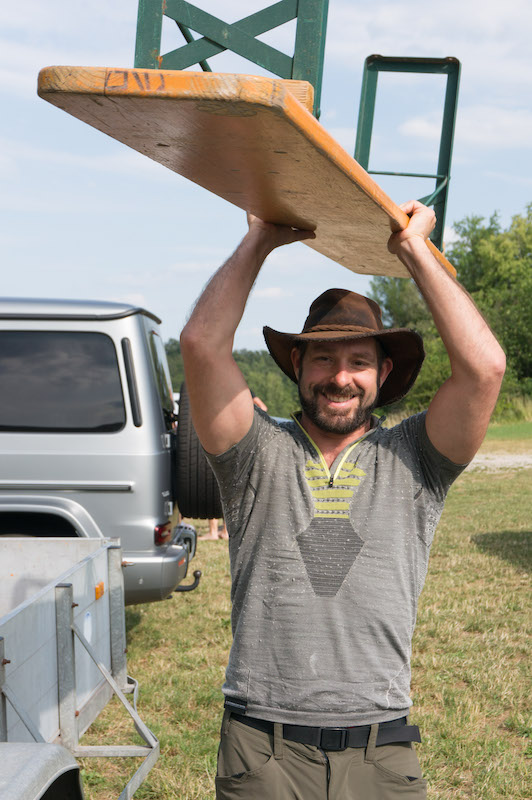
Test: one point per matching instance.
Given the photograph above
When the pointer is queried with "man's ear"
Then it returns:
(386, 368)
(295, 356)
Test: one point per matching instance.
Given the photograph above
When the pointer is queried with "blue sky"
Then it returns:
(83, 216)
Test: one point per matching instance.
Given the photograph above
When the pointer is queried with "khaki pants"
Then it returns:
(258, 766)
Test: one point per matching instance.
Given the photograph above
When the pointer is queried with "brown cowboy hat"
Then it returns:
(338, 315)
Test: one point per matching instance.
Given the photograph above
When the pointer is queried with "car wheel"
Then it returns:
(197, 490)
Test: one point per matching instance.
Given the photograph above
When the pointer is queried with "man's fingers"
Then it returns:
(277, 233)
(410, 206)
(421, 223)
(301, 234)
(422, 218)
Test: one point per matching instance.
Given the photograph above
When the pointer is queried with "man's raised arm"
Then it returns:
(458, 416)
(221, 403)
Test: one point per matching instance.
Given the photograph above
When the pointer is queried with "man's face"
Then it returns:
(338, 383)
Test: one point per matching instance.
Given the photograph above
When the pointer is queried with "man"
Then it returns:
(330, 520)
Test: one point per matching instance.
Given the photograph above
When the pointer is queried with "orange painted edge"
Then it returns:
(257, 90)
(109, 81)
(60, 79)
(323, 141)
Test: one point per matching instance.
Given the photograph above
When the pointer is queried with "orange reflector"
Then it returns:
(99, 590)
(180, 564)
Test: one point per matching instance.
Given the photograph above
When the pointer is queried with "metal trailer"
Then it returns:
(62, 657)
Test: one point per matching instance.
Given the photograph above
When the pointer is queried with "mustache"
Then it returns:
(344, 393)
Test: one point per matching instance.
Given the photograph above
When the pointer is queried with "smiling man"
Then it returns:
(330, 519)
(340, 385)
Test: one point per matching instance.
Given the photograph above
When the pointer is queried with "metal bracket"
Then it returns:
(440, 66)
(149, 753)
(67, 714)
(239, 37)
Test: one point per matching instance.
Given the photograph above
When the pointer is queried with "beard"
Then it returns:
(331, 421)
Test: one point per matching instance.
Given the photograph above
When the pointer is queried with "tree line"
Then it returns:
(262, 375)
(493, 264)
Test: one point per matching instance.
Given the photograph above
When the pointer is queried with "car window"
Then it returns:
(59, 381)
(162, 378)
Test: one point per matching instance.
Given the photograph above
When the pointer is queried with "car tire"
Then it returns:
(197, 490)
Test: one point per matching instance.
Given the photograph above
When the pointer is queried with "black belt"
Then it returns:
(396, 730)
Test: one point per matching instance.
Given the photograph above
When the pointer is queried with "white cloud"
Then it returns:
(186, 265)
(61, 17)
(449, 236)
(134, 299)
(522, 180)
(19, 82)
(491, 39)
(343, 135)
(478, 126)
(124, 161)
(270, 292)
(428, 128)
(36, 34)
(251, 332)
(495, 126)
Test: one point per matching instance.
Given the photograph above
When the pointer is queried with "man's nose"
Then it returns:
(342, 377)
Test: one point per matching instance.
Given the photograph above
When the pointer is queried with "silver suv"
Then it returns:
(88, 435)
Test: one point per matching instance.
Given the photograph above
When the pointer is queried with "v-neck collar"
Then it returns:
(342, 456)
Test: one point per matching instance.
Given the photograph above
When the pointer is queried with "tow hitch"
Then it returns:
(191, 586)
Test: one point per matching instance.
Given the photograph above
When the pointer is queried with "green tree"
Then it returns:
(435, 371)
(175, 363)
(266, 380)
(466, 254)
(401, 303)
(403, 307)
(495, 266)
(261, 373)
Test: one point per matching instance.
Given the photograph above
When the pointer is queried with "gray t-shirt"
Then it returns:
(327, 567)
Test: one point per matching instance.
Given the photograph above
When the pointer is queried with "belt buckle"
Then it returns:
(333, 738)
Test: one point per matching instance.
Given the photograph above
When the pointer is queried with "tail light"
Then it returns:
(163, 533)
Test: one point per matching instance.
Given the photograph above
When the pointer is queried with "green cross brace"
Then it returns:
(239, 37)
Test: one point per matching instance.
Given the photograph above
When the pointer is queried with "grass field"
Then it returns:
(471, 662)
(510, 432)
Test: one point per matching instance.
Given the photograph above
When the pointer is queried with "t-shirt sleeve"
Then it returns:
(234, 467)
(438, 472)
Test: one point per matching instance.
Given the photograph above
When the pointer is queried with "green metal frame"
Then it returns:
(441, 66)
(239, 37)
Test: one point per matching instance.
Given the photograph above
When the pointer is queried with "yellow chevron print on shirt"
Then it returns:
(332, 501)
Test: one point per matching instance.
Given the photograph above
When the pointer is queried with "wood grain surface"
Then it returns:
(252, 141)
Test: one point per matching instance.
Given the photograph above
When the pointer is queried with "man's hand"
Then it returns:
(273, 235)
(260, 403)
(422, 222)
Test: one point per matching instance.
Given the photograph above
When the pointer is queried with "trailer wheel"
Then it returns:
(197, 492)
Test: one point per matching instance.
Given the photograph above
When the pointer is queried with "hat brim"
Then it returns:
(402, 345)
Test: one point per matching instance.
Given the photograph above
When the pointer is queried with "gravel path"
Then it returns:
(495, 461)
